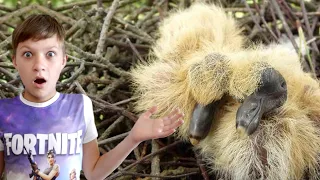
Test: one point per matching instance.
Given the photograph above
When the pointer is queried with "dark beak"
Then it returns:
(249, 114)
(201, 121)
(271, 94)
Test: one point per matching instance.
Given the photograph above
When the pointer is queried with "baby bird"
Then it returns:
(252, 112)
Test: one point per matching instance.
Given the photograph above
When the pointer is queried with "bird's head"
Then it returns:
(270, 95)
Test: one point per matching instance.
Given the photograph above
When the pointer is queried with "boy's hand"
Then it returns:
(147, 128)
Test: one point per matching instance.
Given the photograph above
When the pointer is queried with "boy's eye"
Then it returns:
(51, 54)
(27, 54)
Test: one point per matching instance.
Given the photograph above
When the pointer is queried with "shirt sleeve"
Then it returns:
(91, 130)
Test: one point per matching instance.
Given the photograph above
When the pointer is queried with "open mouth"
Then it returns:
(40, 81)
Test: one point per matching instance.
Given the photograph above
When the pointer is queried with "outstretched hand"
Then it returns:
(147, 128)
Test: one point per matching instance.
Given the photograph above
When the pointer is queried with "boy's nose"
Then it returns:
(39, 64)
(39, 67)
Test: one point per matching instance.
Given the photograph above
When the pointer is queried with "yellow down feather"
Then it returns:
(200, 58)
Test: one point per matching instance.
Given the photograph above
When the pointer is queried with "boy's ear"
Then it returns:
(14, 62)
(64, 61)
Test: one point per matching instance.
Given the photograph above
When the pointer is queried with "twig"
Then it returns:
(256, 22)
(80, 3)
(5, 8)
(201, 166)
(106, 105)
(8, 74)
(74, 76)
(106, 122)
(120, 44)
(10, 87)
(274, 22)
(143, 39)
(2, 36)
(5, 42)
(75, 27)
(148, 16)
(309, 5)
(60, 16)
(287, 10)
(4, 54)
(170, 163)
(150, 23)
(79, 88)
(285, 25)
(264, 20)
(315, 21)
(193, 172)
(304, 12)
(109, 89)
(107, 132)
(17, 12)
(46, 10)
(110, 66)
(80, 61)
(125, 101)
(136, 52)
(133, 28)
(119, 173)
(155, 162)
(105, 27)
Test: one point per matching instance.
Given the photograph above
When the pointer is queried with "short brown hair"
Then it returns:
(37, 27)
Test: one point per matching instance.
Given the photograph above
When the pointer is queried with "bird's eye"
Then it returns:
(27, 54)
(51, 54)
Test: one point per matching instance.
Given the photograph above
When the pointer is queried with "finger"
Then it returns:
(150, 112)
(169, 120)
(172, 119)
(176, 114)
(173, 125)
(176, 110)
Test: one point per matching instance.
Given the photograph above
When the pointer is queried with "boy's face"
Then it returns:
(39, 64)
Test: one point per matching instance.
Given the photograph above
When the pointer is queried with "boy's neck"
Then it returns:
(39, 104)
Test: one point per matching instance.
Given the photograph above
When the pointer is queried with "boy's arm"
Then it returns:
(98, 167)
(1, 163)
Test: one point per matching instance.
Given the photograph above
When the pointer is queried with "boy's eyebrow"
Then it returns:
(28, 47)
(54, 47)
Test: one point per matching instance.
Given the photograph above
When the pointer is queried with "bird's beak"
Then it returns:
(249, 114)
(201, 121)
(271, 94)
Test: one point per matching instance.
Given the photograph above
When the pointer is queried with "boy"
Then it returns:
(41, 119)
